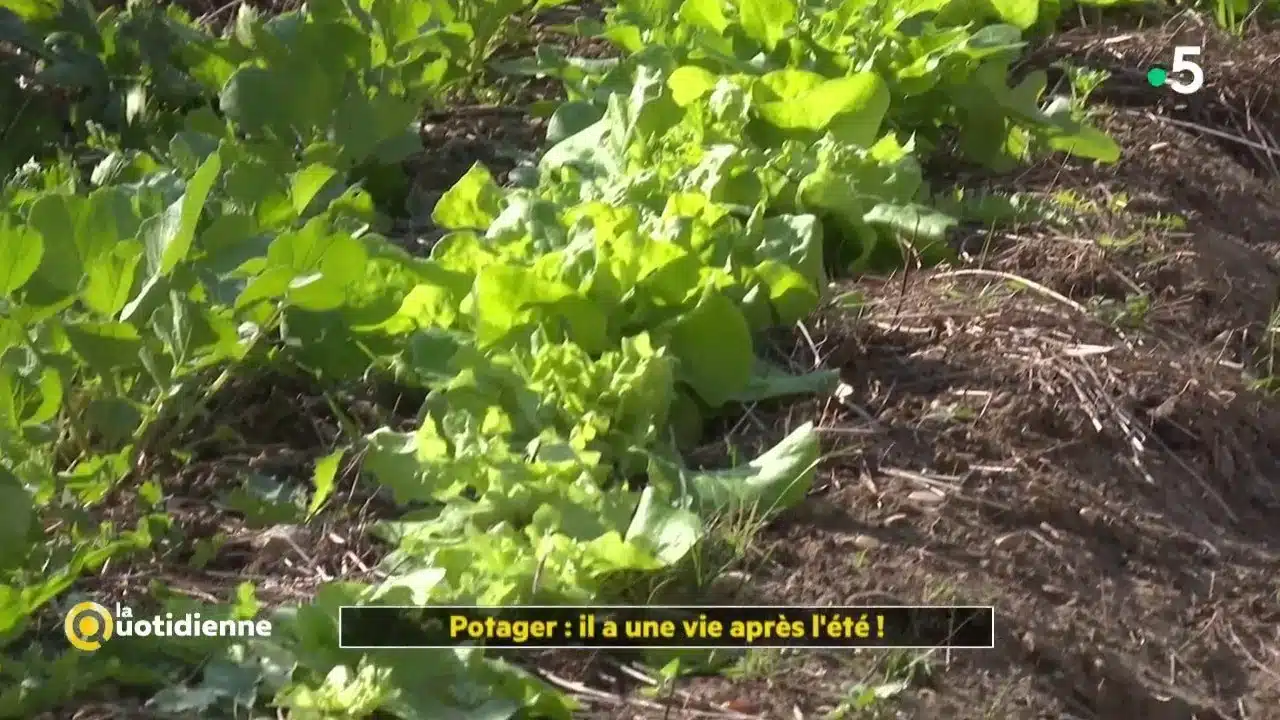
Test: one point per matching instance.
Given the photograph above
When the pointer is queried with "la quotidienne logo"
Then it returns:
(89, 624)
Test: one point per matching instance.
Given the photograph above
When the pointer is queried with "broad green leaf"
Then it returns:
(588, 151)
(150, 296)
(18, 396)
(265, 501)
(704, 13)
(613, 554)
(344, 693)
(471, 204)
(168, 235)
(323, 265)
(50, 387)
(770, 381)
(416, 587)
(993, 38)
(792, 295)
(255, 183)
(1087, 142)
(796, 240)
(508, 298)
(767, 20)
(627, 37)
(432, 352)
(20, 253)
(107, 217)
(426, 306)
(365, 127)
(394, 460)
(1022, 14)
(777, 480)
(391, 458)
(923, 227)
(307, 183)
(111, 278)
(254, 99)
(713, 344)
(10, 400)
(908, 9)
(572, 118)
(670, 530)
(272, 283)
(463, 253)
(788, 84)
(106, 347)
(689, 83)
(114, 419)
(51, 216)
(13, 606)
(807, 102)
(17, 518)
(325, 473)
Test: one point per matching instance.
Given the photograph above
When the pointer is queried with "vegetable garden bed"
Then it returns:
(796, 302)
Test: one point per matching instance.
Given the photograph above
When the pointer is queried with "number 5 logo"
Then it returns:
(1182, 63)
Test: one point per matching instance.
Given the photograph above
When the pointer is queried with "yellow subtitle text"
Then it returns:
(463, 627)
(834, 626)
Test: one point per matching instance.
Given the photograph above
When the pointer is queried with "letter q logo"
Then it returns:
(88, 625)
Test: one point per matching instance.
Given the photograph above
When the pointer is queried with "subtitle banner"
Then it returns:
(659, 626)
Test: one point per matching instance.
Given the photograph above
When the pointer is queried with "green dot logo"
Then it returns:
(88, 625)
(1157, 76)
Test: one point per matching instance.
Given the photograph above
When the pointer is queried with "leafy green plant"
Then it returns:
(73, 76)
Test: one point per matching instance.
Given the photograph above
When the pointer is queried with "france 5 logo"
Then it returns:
(1183, 66)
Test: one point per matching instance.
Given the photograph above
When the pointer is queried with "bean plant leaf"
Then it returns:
(325, 472)
(168, 235)
(17, 515)
(20, 253)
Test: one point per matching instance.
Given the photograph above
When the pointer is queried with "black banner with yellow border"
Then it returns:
(725, 627)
